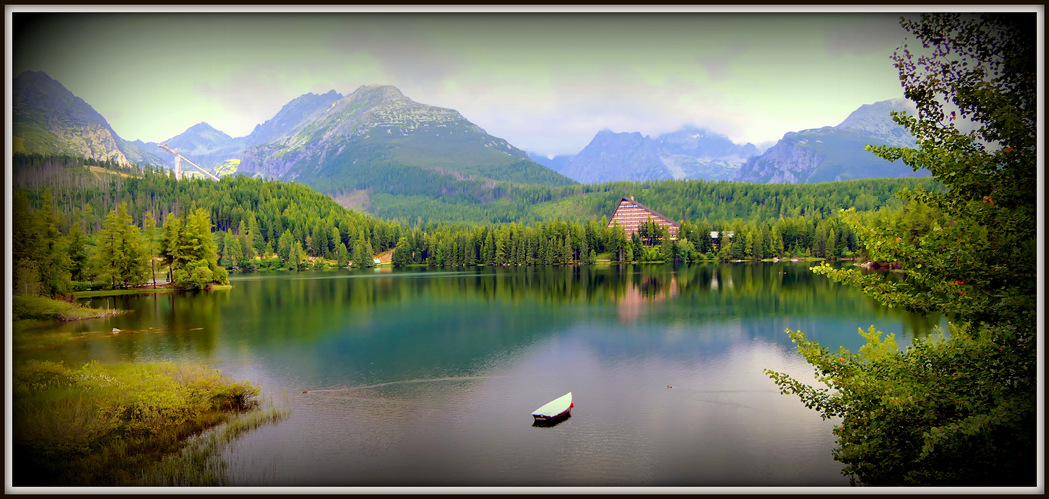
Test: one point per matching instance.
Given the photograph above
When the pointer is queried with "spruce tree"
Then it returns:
(957, 409)
(78, 256)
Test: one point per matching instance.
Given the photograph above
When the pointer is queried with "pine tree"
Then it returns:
(638, 247)
(119, 256)
(284, 246)
(342, 255)
(295, 256)
(584, 251)
(402, 253)
(488, 249)
(566, 251)
(78, 257)
(362, 253)
(170, 243)
(149, 239)
(233, 252)
(51, 254)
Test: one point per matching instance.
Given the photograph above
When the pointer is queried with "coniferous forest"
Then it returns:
(271, 224)
(110, 225)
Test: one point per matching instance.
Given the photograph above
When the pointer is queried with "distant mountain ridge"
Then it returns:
(687, 153)
(836, 153)
(617, 156)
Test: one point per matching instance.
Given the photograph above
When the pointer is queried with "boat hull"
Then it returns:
(541, 417)
(555, 409)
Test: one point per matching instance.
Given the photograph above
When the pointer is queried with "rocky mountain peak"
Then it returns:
(40, 99)
(838, 152)
(47, 118)
(876, 119)
(203, 127)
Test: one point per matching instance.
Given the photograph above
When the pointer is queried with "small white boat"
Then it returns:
(559, 407)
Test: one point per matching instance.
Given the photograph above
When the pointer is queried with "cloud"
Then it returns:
(719, 66)
(876, 34)
(545, 82)
(402, 49)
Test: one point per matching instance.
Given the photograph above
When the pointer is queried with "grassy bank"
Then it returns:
(122, 292)
(126, 424)
(46, 309)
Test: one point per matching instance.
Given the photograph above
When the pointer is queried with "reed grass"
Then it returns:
(46, 309)
(126, 424)
(199, 463)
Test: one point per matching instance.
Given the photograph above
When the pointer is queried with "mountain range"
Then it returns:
(378, 141)
(815, 155)
(688, 153)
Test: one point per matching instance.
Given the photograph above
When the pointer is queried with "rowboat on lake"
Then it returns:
(557, 408)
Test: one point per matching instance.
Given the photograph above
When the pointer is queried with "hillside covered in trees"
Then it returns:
(71, 202)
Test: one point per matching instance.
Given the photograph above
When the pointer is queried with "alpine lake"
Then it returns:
(428, 378)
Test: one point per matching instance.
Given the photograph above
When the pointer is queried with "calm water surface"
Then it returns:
(428, 378)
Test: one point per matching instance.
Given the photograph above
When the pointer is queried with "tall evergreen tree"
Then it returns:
(51, 254)
(149, 239)
(958, 410)
(78, 257)
(170, 243)
(119, 258)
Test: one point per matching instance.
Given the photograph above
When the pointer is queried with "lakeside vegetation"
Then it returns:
(46, 309)
(113, 424)
(121, 292)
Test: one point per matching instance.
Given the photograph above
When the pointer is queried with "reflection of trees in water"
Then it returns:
(512, 304)
(714, 290)
(770, 289)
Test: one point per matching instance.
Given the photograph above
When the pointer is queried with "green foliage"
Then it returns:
(41, 256)
(47, 309)
(102, 424)
(119, 259)
(958, 410)
(190, 250)
(274, 214)
(402, 254)
(266, 208)
(36, 375)
(947, 411)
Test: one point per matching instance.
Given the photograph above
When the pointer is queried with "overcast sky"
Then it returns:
(546, 82)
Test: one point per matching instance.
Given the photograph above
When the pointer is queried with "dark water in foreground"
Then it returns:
(428, 378)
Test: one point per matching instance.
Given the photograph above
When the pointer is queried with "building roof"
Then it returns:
(650, 210)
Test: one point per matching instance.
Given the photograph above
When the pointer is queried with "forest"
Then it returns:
(76, 207)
